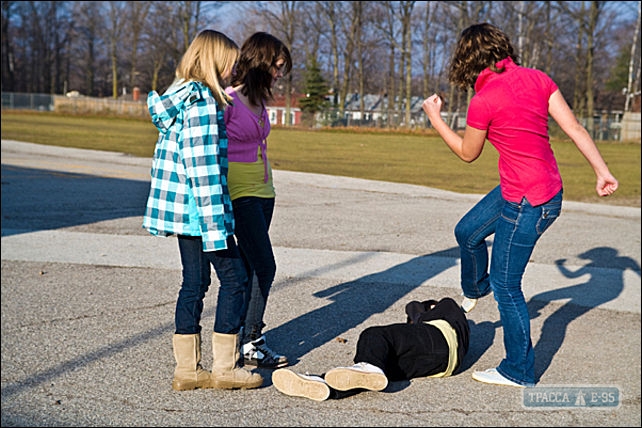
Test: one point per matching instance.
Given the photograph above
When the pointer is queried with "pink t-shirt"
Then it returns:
(513, 108)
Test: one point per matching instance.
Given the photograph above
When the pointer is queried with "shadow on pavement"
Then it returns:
(36, 199)
(353, 302)
(603, 285)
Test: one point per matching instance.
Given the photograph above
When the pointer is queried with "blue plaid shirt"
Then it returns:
(189, 194)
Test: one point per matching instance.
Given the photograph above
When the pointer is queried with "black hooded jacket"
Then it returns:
(448, 310)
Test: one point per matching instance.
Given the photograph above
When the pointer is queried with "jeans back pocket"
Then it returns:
(550, 212)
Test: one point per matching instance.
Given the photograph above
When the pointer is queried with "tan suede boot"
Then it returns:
(226, 373)
(188, 373)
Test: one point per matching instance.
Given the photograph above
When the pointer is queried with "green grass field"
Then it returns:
(405, 157)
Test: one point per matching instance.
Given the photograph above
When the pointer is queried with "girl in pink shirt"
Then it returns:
(510, 108)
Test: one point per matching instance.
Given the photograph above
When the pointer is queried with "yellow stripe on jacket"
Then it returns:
(451, 338)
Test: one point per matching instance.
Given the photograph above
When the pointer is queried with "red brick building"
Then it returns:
(276, 109)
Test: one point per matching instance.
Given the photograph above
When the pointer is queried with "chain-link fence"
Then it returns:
(74, 104)
(17, 100)
(613, 126)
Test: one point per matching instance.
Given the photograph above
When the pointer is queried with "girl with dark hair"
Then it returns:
(264, 60)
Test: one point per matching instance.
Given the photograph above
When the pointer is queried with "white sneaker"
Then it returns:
(298, 385)
(468, 304)
(494, 377)
(360, 375)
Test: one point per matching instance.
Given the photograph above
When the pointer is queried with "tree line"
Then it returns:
(398, 49)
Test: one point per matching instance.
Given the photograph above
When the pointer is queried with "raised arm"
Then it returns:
(467, 148)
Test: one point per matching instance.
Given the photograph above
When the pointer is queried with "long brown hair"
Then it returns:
(480, 46)
(259, 53)
(207, 58)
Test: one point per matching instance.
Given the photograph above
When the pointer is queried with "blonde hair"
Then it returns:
(208, 57)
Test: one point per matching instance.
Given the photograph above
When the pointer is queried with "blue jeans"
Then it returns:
(252, 218)
(197, 279)
(517, 227)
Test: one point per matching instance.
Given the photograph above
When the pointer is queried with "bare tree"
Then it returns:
(316, 27)
(406, 9)
(548, 38)
(34, 48)
(634, 69)
(426, 62)
(188, 13)
(351, 29)
(89, 26)
(332, 13)
(114, 36)
(167, 32)
(386, 24)
(531, 19)
(137, 12)
(160, 46)
(591, 28)
(463, 14)
(99, 47)
(359, 45)
(8, 55)
(593, 17)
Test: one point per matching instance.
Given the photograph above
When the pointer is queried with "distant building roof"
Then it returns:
(279, 101)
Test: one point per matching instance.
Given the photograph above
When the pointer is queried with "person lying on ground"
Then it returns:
(431, 343)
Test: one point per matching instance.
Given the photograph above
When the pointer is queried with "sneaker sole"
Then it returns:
(345, 379)
(290, 383)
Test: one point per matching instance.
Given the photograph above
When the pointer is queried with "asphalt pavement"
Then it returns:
(88, 304)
